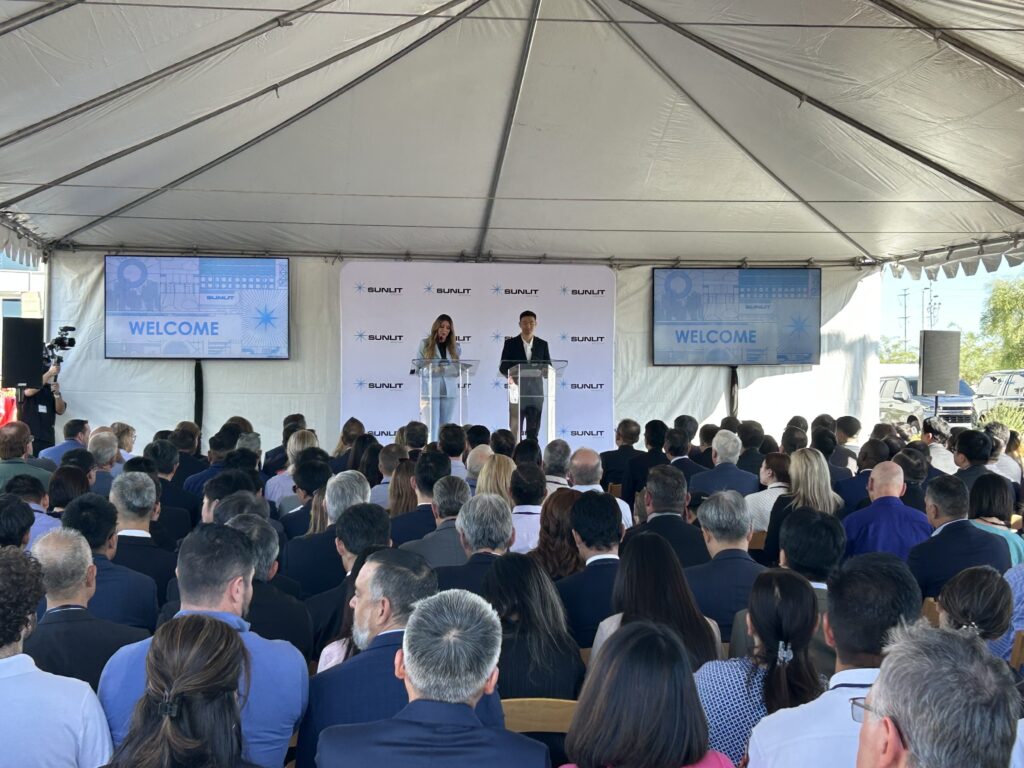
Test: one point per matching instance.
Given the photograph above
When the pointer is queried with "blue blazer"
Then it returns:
(724, 477)
(722, 586)
(123, 596)
(412, 525)
(426, 734)
(853, 490)
(958, 545)
(362, 690)
(313, 562)
(587, 597)
(469, 576)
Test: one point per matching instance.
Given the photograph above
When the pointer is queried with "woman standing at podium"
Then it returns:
(441, 345)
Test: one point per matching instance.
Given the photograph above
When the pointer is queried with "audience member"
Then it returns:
(935, 434)
(350, 430)
(219, 487)
(430, 467)
(76, 435)
(556, 550)
(887, 524)
(556, 465)
(793, 439)
(539, 658)
(189, 714)
(477, 435)
(587, 595)
(689, 427)
(442, 546)
(16, 521)
(451, 441)
(854, 490)
(824, 442)
(341, 647)
(650, 586)
(401, 494)
(281, 484)
(868, 597)
(725, 449)
(847, 429)
(168, 464)
(751, 435)
(133, 494)
(486, 532)
(15, 447)
(364, 688)
(956, 543)
(358, 450)
(677, 447)
(661, 728)
(973, 449)
(69, 640)
(665, 498)
(387, 462)
(48, 720)
(313, 560)
(527, 488)
(215, 570)
(503, 442)
(475, 461)
(706, 435)
(81, 458)
(276, 459)
(722, 586)
(737, 693)
(32, 491)
(998, 461)
(308, 478)
(991, 507)
(123, 595)
(914, 463)
(774, 476)
(977, 600)
(220, 445)
(527, 451)
(191, 462)
(638, 466)
(940, 700)
(615, 463)
(809, 486)
(447, 662)
(415, 438)
(103, 447)
(496, 476)
(584, 472)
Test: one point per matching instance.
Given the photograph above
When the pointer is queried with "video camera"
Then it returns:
(62, 342)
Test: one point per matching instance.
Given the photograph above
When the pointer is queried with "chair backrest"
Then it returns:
(758, 539)
(538, 715)
(615, 489)
(1017, 654)
(930, 610)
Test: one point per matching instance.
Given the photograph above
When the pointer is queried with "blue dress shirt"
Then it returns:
(885, 525)
(56, 453)
(277, 696)
(195, 483)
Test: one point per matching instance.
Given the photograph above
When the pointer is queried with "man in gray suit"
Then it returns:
(442, 547)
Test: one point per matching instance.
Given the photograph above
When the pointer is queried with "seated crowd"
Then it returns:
(734, 601)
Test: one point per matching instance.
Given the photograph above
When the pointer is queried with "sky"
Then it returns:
(961, 300)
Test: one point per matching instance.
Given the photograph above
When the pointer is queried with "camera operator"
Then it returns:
(41, 408)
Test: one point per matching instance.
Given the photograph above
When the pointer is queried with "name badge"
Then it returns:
(42, 409)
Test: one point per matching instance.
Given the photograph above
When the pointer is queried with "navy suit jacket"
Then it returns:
(636, 473)
(587, 597)
(188, 465)
(724, 477)
(313, 561)
(173, 495)
(469, 577)
(959, 545)
(750, 461)
(412, 525)
(425, 734)
(688, 466)
(685, 538)
(722, 587)
(195, 483)
(615, 464)
(853, 490)
(145, 556)
(364, 689)
(123, 596)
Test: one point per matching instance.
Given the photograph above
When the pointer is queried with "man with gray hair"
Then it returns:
(475, 461)
(103, 447)
(134, 496)
(364, 688)
(448, 663)
(941, 700)
(486, 532)
(556, 465)
(68, 640)
(312, 560)
(585, 470)
(726, 476)
(442, 547)
(722, 586)
(665, 498)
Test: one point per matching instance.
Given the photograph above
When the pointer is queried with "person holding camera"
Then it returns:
(41, 408)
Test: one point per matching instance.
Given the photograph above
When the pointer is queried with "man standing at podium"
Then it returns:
(526, 348)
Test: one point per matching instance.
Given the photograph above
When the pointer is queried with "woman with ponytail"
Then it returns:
(189, 714)
(781, 617)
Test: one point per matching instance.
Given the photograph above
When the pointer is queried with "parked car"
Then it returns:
(956, 409)
(998, 388)
(896, 403)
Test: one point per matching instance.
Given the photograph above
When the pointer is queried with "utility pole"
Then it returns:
(905, 316)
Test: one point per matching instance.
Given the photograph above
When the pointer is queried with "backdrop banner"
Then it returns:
(387, 310)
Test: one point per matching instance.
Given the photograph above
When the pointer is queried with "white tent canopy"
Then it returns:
(636, 131)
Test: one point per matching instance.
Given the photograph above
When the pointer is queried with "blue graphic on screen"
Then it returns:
(737, 316)
(196, 307)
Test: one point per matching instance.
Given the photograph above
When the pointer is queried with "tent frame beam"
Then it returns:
(395, 57)
(36, 14)
(281, 21)
(952, 40)
(836, 114)
(273, 88)
(506, 133)
(653, 63)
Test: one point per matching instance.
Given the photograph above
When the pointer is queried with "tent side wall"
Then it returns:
(155, 395)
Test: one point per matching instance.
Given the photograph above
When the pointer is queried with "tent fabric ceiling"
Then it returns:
(775, 131)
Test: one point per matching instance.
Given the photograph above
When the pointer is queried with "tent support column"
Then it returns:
(506, 134)
(631, 41)
(804, 98)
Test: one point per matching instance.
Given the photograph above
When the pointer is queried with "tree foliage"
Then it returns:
(1003, 322)
(890, 350)
(978, 355)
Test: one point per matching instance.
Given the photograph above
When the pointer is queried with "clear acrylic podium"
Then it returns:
(531, 399)
(444, 391)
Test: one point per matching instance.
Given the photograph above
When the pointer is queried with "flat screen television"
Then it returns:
(737, 316)
(196, 307)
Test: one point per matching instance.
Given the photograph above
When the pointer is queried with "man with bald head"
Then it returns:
(886, 524)
(585, 470)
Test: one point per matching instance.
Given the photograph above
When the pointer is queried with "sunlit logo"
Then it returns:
(576, 385)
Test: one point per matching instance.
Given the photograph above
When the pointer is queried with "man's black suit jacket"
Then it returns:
(327, 610)
(722, 586)
(188, 465)
(688, 466)
(313, 561)
(469, 576)
(615, 464)
(636, 472)
(143, 555)
(514, 353)
(959, 545)
(173, 495)
(73, 643)
(296, 522)
(123, 595)
(686, 539)
(750, 461)
(173, 525)
(413, 525)
(587, 597)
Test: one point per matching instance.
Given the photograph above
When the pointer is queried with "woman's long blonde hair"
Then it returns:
(299, 442)
(449, 344)
(496, 477)
(810, 483)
